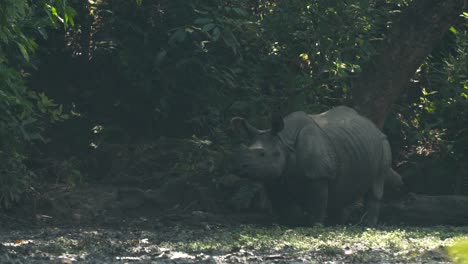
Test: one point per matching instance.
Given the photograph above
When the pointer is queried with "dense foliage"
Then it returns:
(23, 112)
(132, 71)
(430, 119)
(183, 67)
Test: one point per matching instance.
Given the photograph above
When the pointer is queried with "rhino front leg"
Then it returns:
(372, 209)
(338, 216)
(316, 201)
(283, 205)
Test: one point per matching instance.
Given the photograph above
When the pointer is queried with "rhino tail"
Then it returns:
(392, 177)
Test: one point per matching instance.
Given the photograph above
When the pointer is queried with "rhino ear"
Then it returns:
(240, 124)
(277, 123)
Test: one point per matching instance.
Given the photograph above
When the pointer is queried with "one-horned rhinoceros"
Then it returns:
(322, 163)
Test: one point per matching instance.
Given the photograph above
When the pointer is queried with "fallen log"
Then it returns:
(417, 209)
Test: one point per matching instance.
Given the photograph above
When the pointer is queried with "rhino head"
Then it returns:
(265, 156)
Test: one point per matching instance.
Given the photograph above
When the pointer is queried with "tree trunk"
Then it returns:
(418, 209)
(412, 38)
(461, 177)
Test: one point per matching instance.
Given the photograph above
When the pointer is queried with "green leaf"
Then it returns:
(208, 27)
(239, 11)
(453, 30)
(159, 58)
(203, 12)
(3, 37)
(203, 20)
(71, 14)
(426, 93)
(216, 34)
(23, 50)
(230, 40)
(54, 12)
(178, 36)
(43, 32)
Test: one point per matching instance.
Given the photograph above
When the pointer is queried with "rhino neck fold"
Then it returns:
(287, 146)
(317, 146)
(293, 123)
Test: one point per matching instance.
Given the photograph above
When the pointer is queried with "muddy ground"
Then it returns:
(99, 225)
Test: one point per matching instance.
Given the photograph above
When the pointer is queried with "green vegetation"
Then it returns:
(459, 251)
(77, 75)
(436, 118)
(24, 112)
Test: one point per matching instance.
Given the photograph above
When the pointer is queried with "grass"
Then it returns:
(358, 244)
(351, 244)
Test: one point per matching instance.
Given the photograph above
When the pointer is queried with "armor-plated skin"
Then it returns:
(322, 162)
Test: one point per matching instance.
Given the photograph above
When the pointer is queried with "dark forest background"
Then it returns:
(141, 92)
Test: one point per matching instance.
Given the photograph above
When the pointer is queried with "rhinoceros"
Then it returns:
(322, 163)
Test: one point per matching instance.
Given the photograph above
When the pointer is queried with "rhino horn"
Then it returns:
(240, 124)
